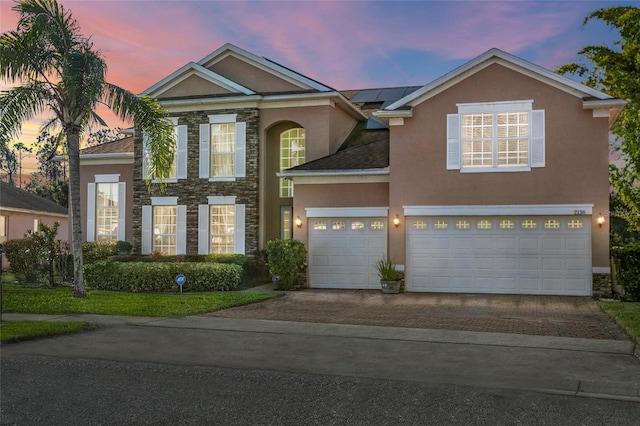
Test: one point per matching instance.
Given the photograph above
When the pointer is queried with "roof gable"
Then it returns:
(264, 65)
(490, 57)
(218, 82)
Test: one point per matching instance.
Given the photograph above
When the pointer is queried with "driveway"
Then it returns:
(562, 316)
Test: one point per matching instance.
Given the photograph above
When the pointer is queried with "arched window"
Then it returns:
(292, 148)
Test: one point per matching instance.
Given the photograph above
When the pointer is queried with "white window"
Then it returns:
(179, 165)
(357, 226)
(377, 225)
(221, 226)
(419, 224)
(483, 224)
(575, 224)
(292, 152)
(165, 229)
(164, 226)
(107, 212)
(499, 136)
(3, 228)
(285, 218)
(338, 226)
(106, 208)
(222, 148)
(36, 225)
(529, 224)
(506, 224)
(551, 224)
(440, 224)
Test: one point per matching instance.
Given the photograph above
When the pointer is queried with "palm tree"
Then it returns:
(55, 68)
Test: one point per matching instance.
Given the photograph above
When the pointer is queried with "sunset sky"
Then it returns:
(343, 44)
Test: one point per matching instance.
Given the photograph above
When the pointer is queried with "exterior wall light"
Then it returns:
(600, 220)
(396, 221)
(298, 222)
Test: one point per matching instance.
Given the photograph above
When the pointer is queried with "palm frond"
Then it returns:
(18, 105)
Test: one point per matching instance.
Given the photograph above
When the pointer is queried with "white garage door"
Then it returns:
(343, 252)
(528, 255)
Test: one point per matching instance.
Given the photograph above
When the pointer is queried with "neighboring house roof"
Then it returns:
(12, 198)
(370, 100)
(119, 146)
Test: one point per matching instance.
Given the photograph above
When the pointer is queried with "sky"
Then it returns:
(343, 44)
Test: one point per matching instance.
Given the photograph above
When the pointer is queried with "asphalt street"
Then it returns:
(197, 370)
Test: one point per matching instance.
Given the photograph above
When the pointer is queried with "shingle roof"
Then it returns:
(123, 145)
(368, 151)
(12, 197)
(370, 100)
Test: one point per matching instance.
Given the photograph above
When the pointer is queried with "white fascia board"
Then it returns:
(312, 99)
(403, 113)
(500, 210)
(497, 56)
(339, 179)
(610, 108)
(263, 64)
(347, 211)
(353, 172)
(164, 201)
(99, 159)
(195, 69)
(33, 212)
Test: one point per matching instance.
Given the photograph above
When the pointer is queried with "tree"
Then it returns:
(44, 240)
(616, 70)
(55, 68)
(50, 180)
(103, 136)
(21, 148)
(8, 163)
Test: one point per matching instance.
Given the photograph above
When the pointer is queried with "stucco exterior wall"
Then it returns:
(19, 222)
(576, 144)
(335, 195)
(87, 175)
(194, 86)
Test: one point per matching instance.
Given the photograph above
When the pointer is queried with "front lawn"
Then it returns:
(60, 300)
(15, 331)
(626, 315)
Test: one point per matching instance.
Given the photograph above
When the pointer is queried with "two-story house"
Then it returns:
(492, 178)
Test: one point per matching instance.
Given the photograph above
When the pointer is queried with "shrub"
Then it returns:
(24, 257)
(627, 260)
(48, 247)
(286, 258)
(123, 247)
(93, 251)
(137, 277)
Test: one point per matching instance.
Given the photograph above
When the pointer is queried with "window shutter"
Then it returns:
(181, 231)
(239, 229)
(145, 156)
(241, 148)
(537, 138)
(147, 225)
(122, 211)
(203, 229)
(91, 212)
(205, 131)
(182, 152)
(453, 141)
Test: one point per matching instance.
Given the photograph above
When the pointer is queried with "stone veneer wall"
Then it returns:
(602, 285)
(194, 191)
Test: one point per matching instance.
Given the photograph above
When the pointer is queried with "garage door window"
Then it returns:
(357, 226)
(320, 226)
(419, 224)
(506, 224)
(338, 226)
(462, 224)
(551, 224)
(440, 224)
(575, 224)
(377, 225)
(484, 224)
(529, 224)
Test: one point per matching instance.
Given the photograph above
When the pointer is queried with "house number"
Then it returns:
(579, 212)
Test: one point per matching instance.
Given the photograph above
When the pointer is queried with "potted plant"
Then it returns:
(390, 277)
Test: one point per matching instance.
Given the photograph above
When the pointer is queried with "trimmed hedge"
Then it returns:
(143, 277)
(627, 259)
(235, 259)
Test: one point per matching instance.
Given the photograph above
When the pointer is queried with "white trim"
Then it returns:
(495, 107)
(471, 169)
(204, 217)
(222, 179)
(488, 58)
(173, 120)
(222, 118)
(107, 159)
(164, 201)
(122, 210)
(271, 67)
(601, 270)
(500, 210)
(353, 172)
(91, 211)
(271, 103)
(347, 211)
(239, 228)
(337, 179)
(115, 178)
(221, 199)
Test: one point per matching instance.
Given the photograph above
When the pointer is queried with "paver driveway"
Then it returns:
(563, 316)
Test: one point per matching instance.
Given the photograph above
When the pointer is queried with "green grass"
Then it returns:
(15, 331)
(626, 315)
(60, 300)
(8, 277)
